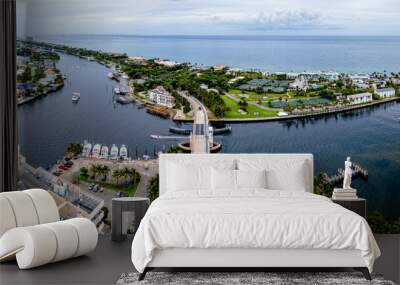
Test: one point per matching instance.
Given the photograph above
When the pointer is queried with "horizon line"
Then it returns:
(203, 35)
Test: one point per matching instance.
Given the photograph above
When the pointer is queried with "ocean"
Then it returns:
(266, 53)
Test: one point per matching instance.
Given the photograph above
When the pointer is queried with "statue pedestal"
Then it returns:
(344, 194)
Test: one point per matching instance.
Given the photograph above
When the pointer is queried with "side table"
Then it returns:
(137, 205)
(357, 205)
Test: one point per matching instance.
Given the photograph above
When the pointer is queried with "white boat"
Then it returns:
(104, 152)
(110, 75)
(87, 148)
(114, 152)
(123, 152)
(123, 99)
(123, 90)
(96, 151)
(76, 96)
(117, 91)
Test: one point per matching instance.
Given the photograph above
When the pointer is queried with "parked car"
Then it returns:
(63, 167)
(91, 186)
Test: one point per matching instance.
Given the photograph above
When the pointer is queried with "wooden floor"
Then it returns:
(103, 266)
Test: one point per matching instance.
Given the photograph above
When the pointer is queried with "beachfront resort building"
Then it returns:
(160, 96)
(137, 59)
(360, 98)
(385, 92)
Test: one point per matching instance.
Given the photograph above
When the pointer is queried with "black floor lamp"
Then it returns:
(8, 100)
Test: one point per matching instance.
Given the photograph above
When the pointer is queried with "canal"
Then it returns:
(370, 136)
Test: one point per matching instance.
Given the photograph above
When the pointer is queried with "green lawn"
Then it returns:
(253, 96)
(128, 189)
(234, 107)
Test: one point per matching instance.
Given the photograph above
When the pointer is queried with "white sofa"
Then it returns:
(31, 231)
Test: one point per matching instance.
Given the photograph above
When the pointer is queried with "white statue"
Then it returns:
(347, 174)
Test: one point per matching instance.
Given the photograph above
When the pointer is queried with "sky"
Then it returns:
(209, 17)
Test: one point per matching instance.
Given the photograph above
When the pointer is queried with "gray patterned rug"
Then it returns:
(243, 278)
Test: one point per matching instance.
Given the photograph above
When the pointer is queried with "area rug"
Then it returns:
(244, 278)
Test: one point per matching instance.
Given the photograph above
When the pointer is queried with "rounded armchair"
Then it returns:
(31, 231)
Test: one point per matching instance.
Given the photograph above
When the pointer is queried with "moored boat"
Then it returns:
(123, 90)
(123, 152)
(114, 75)
(123, 99)
(96, 151)
(104, 152)
(114, 152)
(87, 148)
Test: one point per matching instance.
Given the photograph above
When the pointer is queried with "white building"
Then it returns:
(205, 87)
(137, 59)
(219, 67)
(299, 84)
(233, 80)
(168, 63)
(331, 75)
(386, 92)
(360, 80)
(233, 71)
(361, 85)
(360, 98)
(160, 96)
(292, 75)
(395, 81)
(311, 75)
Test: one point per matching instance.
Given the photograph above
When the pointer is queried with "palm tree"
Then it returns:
(105, 170)
(134, 175)
(126, 174)
(84, 171)
(117, 174)
(94, 168)
(153, 188)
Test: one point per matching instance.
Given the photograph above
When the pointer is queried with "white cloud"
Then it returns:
(212, 17)
(270, 21)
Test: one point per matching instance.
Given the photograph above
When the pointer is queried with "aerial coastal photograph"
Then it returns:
(104, 89)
